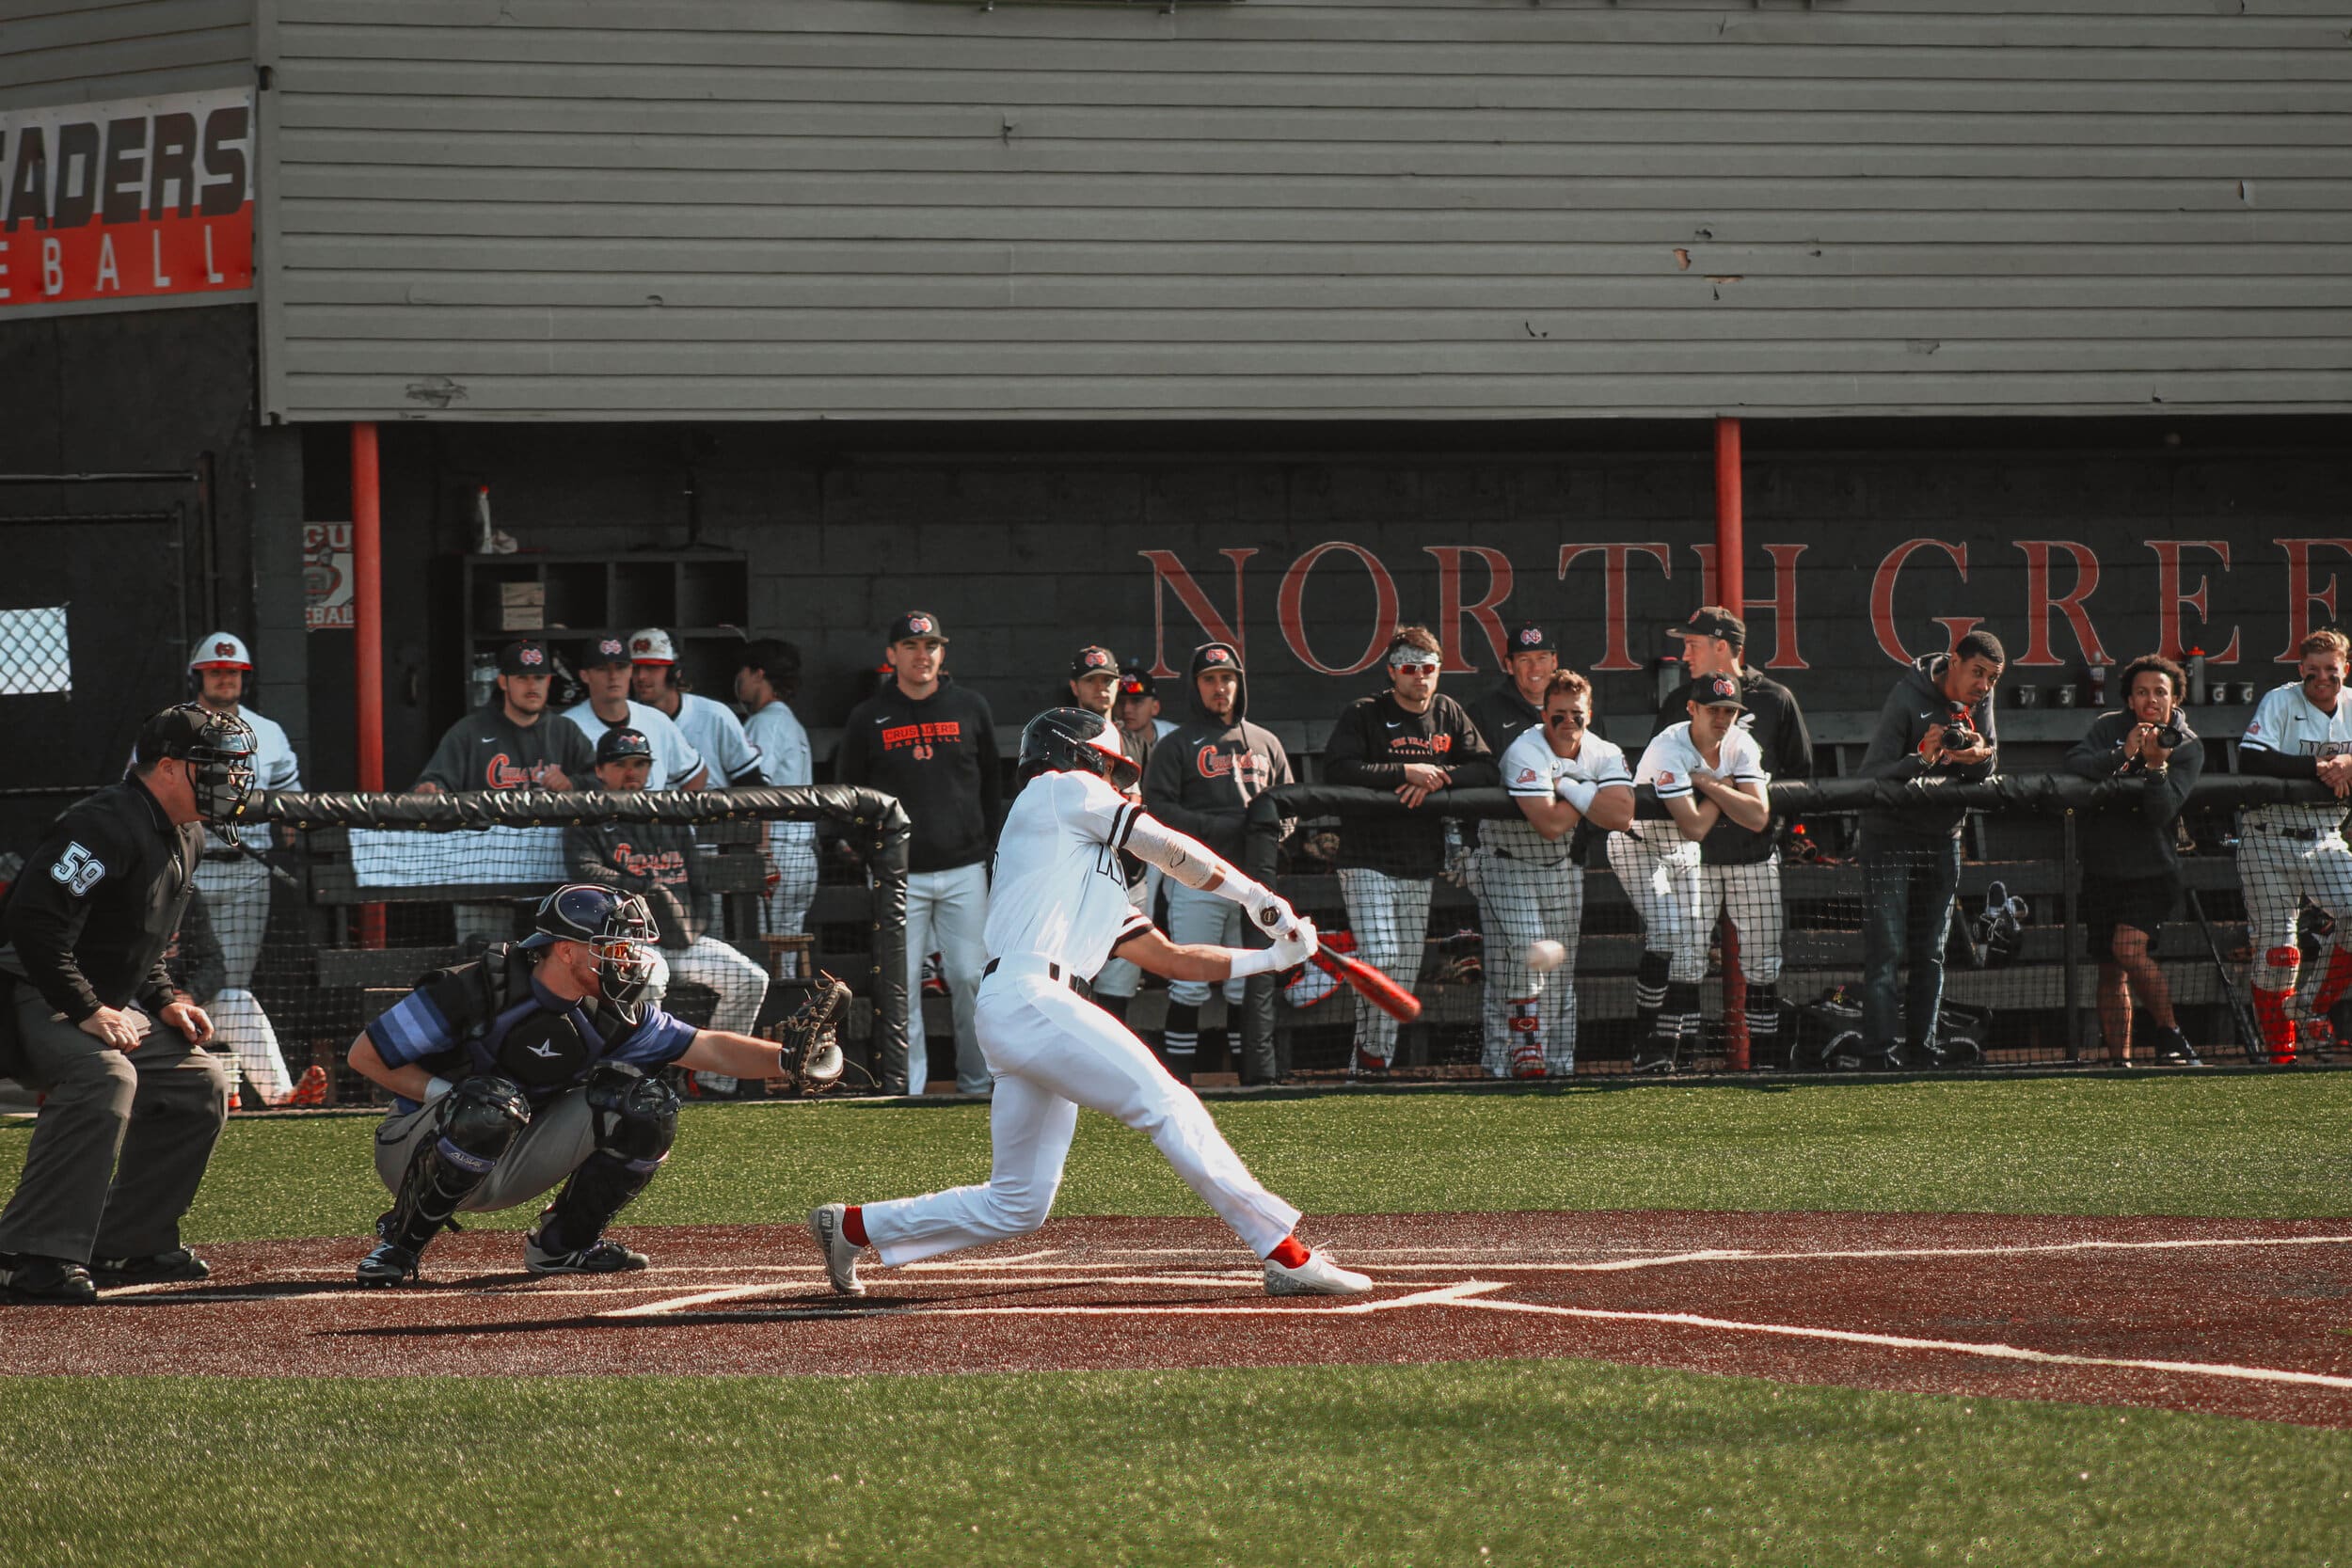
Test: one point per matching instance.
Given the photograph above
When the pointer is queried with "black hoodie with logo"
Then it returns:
(1370, 747)
(1204, 773)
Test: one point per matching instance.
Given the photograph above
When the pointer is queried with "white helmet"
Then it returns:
(651, 645)
(221, 650)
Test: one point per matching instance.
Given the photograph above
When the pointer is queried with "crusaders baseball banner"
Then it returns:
(136, 198)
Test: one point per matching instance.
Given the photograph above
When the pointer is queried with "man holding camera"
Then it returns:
(1937, 724)
(2131, 872)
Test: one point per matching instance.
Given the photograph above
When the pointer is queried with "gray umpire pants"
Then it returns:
(121, 1144)
(560, 1137)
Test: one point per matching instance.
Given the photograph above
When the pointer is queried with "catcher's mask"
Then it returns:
(219, 749)
(1064, 739)
(615, 926)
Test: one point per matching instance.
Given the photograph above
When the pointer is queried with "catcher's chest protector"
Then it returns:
(507, 1030)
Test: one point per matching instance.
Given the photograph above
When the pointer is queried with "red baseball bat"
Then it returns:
(1384, 993)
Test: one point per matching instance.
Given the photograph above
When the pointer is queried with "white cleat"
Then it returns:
(1317, 1276)
(824, 1229)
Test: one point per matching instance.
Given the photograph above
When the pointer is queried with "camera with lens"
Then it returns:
(2173, 733)
(1960, 735)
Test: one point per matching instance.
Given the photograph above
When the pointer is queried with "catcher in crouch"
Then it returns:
(1057, 912)
(540, 1062)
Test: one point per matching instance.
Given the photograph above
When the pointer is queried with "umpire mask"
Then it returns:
(218, 749)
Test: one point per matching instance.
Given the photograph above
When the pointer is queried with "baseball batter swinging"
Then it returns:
(1057, 911)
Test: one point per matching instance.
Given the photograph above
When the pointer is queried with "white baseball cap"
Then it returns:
(651, 646)
(221, 650)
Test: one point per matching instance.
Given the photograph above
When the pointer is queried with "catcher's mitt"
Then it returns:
(809, 1060)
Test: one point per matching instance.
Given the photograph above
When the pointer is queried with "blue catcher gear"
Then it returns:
(1062, 740)
(616, 926)
(478, 1122)
(635, 1117)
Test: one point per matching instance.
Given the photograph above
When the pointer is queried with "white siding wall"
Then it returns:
(79, 51)
(755, 208)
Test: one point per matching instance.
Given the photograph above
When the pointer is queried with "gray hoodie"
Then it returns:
(1916, 706)
(1204, 773)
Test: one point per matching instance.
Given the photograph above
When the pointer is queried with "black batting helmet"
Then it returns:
(1062, 740)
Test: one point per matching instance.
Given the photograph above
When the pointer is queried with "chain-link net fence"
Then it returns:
(1876, 931)
(327, 910)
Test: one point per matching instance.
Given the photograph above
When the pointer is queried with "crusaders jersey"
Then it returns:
(2285, 722)
(1531, 768)
(1671, 760)
(1058, 892)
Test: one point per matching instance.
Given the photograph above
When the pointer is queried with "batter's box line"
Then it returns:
(1994, 1352)
(1743, 1254)
(682, 1308)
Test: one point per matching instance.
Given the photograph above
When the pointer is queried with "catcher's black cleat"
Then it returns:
(175, 1265)
(387, 1265)
(45, 1281)
(602, 1256)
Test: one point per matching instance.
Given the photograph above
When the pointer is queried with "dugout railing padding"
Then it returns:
(873, 823)
(2058, 798)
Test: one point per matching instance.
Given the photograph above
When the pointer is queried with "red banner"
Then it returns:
(124, 200)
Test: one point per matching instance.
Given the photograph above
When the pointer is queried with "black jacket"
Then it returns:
(2133, 839)
(1370, 747)
(1777, 725)
(938, 756)
(1916, 706)
(89, 918)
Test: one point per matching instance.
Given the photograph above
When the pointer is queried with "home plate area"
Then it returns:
(2236, 1316)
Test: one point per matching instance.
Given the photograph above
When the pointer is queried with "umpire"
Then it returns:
(132, 1113)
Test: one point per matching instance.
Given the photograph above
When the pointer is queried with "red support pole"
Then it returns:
(1731, 593)
(1730, 566)
(367, 606)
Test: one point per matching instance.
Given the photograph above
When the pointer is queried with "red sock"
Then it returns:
(1288, 1253)
(853, 1225)
(2334, 983)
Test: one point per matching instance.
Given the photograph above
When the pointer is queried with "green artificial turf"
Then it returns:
(1494, 1462)
(2271, 1146)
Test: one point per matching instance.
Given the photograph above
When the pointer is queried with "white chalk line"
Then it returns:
(1444, 1295)
(1901, 1341)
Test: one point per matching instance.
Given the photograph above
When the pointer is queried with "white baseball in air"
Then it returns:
(1545, 955)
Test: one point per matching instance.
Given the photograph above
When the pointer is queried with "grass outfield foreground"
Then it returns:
(1546, 1462)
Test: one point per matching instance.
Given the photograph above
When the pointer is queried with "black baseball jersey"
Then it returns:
(1776, 724)
(1370, 747)
(938, 756)
(486, 750)
(87, 919)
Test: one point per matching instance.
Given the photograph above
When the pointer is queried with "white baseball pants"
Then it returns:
(1053, 1053)
(242, 1029)
(236, 896)
(1749, 897)
(1390, 917)
(1663, 885)
(1204, 917)
(792, 857)
(741, 985)
(1520, 902)
(947, 915)
(2278, 872)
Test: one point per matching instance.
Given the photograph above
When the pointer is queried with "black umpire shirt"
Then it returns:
(1777, 725)
(87, 919)
(938, 756)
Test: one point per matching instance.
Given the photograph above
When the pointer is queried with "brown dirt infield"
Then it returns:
(2242, 1318)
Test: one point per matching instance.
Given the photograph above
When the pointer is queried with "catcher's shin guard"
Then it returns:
(635, 1119)
(2270, 1002)
(480, 1120)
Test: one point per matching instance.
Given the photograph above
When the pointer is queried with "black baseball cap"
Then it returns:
(1528, 638)
(1717, 690)
(606, 651)
(187, 727)
(525, 656)
(916, 623)
(620, 743)
(1714, 620)
(1135, 680)
(1094, 660)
